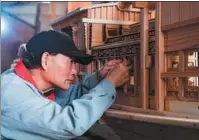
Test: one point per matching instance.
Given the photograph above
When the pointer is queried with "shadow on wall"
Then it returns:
(15, 32)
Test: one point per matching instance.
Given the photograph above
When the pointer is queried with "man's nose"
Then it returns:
(74, 70)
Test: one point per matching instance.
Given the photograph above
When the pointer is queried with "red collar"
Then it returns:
(22, 72)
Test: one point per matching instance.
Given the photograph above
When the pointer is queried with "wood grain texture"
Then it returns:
(143, 52)
(174, 12)
(183, 38)
(98, 13)
(104, 13)
(159, 59)
(110, 13)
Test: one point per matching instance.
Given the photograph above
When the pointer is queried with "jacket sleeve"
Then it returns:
(90, 80)
(39, 117)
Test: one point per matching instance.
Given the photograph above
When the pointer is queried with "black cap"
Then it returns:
(55, 42)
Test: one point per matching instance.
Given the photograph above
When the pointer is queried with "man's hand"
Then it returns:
(119, 74)
(107, 67)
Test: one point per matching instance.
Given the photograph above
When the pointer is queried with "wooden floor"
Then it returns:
(135, 130)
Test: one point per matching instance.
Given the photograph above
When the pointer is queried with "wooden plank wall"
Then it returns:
(174, 12)
(109, 13)
(183, 38)
(180, 24)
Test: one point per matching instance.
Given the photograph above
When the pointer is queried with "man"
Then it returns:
(20, 53)
(39, 101)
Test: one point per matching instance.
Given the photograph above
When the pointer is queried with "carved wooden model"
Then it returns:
(160, 39)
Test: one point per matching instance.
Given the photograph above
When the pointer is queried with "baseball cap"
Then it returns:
(55, 42)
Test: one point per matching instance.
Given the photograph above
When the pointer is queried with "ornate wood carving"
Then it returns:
(90, 36)
(191, 92)
(151, 47)
(133, 36)
(171, 93)
(122, 51)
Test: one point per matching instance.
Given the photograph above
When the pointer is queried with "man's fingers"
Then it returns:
(126, 80)
(125, 61)
(114, 62)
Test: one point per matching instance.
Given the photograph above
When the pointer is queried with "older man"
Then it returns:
(38, 99)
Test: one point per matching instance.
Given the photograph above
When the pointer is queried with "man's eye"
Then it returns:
(72, 61)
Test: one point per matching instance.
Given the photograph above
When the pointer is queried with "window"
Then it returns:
(182, 74)
(192, 59)
(172, 85)
(191, 87)
(173, 61)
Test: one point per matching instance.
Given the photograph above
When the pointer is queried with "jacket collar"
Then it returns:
(23, 73)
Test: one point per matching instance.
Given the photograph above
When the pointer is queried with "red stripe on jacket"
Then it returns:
(23, 73)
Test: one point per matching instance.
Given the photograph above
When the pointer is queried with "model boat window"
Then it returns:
(192, 59)
(173, 62)
(172, 85)
(192, 87)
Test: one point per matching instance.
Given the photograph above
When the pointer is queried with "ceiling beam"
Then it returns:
(105, 21)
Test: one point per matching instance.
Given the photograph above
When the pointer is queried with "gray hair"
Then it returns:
(22, 50)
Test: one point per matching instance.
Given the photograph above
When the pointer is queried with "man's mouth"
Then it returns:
(70, 81)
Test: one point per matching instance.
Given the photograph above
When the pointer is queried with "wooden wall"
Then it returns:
(16, 31)
(182, 38)
(180, 26)
(180, 23)
(173, 12)
(108, 13)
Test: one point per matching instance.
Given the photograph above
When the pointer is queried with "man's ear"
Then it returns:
(45, 60)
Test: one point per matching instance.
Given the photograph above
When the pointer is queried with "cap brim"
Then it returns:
(81, 57)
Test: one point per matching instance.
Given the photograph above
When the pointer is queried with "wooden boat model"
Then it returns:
(160, 39)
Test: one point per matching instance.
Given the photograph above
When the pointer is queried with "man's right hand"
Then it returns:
(119, 75)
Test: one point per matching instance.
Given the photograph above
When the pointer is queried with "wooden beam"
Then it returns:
(151, 5)
(53, 8)
(143, 53)
(159, 60)
(180, 24)
(152, 112)
(58, 25)
(138, 4)
(180, 74)
(104, 21)
(157, 119)
(88, 45)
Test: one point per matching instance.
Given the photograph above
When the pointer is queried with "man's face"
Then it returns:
(60, 71)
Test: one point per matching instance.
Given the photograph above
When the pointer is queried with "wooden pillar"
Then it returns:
(53, 8)
(89, 44)
(143, 53)
(136, 76)
(159, 60)
(181, 80)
